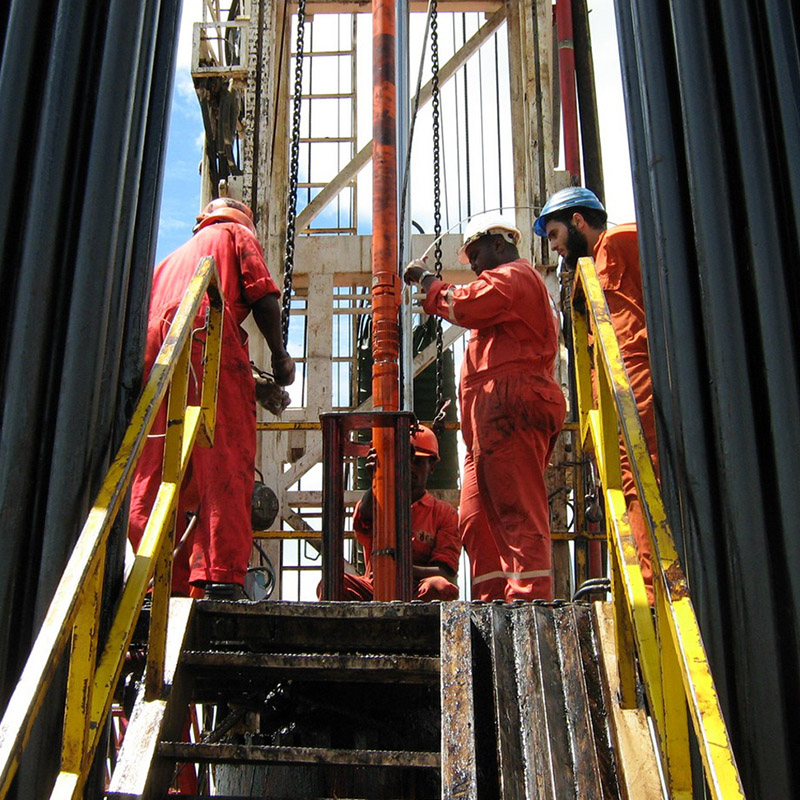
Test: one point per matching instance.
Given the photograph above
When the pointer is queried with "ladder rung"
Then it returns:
(248, 754)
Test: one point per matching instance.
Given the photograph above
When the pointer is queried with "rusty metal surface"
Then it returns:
(242, 754)
(411, 628)
(459, 766)
(498, 701)
(550, 735)
(318, 666)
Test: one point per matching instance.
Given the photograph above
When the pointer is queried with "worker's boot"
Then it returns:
(225, 591)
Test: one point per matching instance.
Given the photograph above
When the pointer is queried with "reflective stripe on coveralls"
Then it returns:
(512, 411)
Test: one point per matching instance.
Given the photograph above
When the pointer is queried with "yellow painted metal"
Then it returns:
(634, 612)
(675, 721)
(83, 654)
(67, 787)
(72, 611)
(674, 665)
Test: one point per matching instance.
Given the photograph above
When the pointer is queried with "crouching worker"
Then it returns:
(435, 544)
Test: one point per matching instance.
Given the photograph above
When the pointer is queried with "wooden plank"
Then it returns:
(638, 767)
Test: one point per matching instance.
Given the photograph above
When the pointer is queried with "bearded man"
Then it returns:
(574, 223)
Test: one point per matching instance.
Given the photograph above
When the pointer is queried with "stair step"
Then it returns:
(327, 666)
(263, 754)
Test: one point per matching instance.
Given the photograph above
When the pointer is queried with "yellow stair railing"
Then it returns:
(74, 613)
(666, 640)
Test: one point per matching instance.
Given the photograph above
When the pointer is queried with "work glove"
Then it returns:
(415, 270)
(268, 394)
(283, 370)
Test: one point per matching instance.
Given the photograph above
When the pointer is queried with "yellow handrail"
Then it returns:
(75, 610)
(668, 643)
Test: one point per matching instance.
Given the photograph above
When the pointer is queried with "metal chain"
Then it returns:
(437, 193)
(294, 168)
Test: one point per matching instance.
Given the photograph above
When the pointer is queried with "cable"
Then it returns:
(294, 168)
(497, 103)
(466, 119)
(480, 117)
(407, 169)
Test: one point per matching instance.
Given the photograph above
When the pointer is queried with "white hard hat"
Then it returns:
(483, 225)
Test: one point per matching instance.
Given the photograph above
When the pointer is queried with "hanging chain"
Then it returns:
(437, 194)
(294, 168)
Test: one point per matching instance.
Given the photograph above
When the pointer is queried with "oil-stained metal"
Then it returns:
(523, 705)
(552, 735)
(459, 765)
(299, 756)
(319, 666)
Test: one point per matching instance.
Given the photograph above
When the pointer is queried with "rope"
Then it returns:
(294, 168)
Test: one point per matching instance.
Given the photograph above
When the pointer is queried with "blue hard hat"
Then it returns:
(571, 197)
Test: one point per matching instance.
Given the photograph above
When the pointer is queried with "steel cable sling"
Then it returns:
(294, 168)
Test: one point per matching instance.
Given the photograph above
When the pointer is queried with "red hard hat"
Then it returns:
(225, 209)
(425, 443)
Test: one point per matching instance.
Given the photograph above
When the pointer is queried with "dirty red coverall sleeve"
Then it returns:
(219, 482)
(512, 411)
(616, 256)
(434, 540)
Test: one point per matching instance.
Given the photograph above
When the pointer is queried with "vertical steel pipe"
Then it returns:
(566, 75)
(385, 290)
(403, 162)
(587, 100)
(332, 508)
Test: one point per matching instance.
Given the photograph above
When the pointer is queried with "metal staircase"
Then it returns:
(382, 700)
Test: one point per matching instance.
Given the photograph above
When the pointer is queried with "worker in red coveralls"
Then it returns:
(574, 222)
(219, 482)
(512, 409)
(435, 543)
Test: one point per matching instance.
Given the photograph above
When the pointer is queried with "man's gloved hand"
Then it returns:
(283, 370)
(415, 270)
(268, 394)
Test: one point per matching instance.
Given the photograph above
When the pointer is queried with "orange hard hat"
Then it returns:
(425, 443)
(225, 209)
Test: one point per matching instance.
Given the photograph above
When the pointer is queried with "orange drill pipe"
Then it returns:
(385, 294)
(566, 77)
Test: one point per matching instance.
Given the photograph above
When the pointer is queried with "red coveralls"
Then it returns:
(434, 529)
(220, 479)
(512, 410)
(616, 257)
